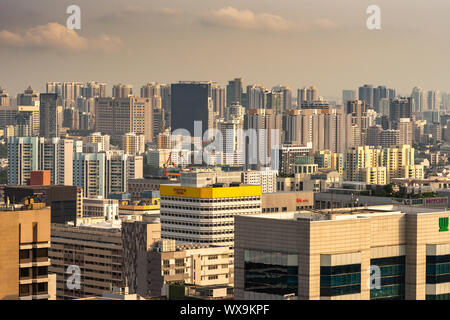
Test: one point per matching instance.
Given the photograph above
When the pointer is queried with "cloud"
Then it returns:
(324, 24)
(230, 17)
(55, 36)
(169, 11)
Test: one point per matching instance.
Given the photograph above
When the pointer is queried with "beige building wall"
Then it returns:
(24, 232)
(343, 239)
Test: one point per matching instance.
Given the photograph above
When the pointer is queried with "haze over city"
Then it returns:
(296, 43)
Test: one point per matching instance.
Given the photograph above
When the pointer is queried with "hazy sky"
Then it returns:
(268, 42)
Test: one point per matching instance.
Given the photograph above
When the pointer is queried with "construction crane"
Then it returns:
(169, 161)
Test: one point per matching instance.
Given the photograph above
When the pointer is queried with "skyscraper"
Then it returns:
(434, 100)
(417, 99)
(120, 116)
(49, 115)
(55, 87)
(4, 98)
(366, 94)
(348, 95)
(191, 101)
(27, 154)
(234, 91)
(400, 108)
(218, 99)
(28, 98)
(358, 110)
(286, 96)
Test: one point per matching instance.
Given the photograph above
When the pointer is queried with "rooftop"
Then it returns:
(348, 213)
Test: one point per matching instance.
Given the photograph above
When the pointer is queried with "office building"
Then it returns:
(191, 101)
(234, 91)
(400, 108)
(28, 98)
(406, 245)
(365, 94)
(50, 116)
(208, 214)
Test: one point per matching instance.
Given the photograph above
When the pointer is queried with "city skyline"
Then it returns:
(165, 41)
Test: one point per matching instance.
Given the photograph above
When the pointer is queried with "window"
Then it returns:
(392, 279)
(340, 280)
(179, 262)
(270, 272)
(166, 263)
(24, 254)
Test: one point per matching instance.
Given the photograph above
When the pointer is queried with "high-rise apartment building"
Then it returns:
(328, 160)
(286, 95)
(122, 91)
(54, 87)
(28, 154)
(218, 98)
(324, 129)
(100, 174)
(266, 126)
(133, 143)
(358, 110)
(232, 142)
(117, 117)
(398, 161)
(406, 131)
